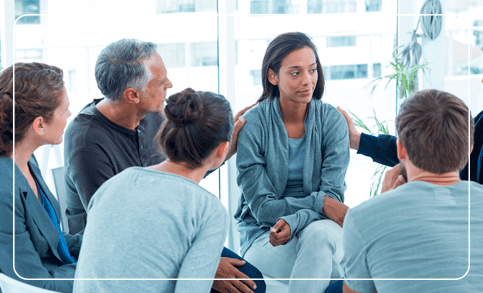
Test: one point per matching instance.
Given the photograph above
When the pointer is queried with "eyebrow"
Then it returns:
(315, 63)
(165, 78)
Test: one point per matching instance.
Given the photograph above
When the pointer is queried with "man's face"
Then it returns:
(152, 99)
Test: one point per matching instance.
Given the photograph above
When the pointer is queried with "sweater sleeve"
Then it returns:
(381, 149)
(335, 159)
(257, 188)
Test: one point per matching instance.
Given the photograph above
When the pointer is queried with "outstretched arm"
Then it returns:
(382, 149)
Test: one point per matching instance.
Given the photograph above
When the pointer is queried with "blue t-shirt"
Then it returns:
(62, 246)
(419, 230)
(295, 182)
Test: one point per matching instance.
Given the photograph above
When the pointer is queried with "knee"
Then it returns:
(321, 233)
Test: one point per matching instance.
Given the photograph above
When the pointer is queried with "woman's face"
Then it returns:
(54, 129)
(297, 77)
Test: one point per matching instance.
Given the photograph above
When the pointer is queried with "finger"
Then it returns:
(346, 116)
(399, 181)
(239, 286)
(250, 283)
(238, 125)
(237, 116)
(236, 262)
(277, 226)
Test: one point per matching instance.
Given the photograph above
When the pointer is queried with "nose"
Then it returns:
(169, 84)
(306, 79)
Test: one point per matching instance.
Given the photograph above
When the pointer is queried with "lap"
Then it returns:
(278, 261)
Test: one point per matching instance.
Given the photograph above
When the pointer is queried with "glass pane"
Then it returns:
(71, 38)
(464, 55)
(351, 56)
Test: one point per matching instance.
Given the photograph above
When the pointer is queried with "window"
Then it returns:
(331, 6)
(273, 7)
(173, 54)
(376, 70)
(256, 75)
(176, 6)
(204, 54)
(29, 55)
(345, 71)
(344, 41)
(27, 7)
(373, 5)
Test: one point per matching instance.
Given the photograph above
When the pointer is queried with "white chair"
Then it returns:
(9, 285)
(59, 183)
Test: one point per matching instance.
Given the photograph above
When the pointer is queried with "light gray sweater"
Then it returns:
(262, 162)
(145, 224)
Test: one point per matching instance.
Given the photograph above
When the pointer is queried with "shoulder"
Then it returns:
(6, 175)
(255, 118)
(327, 112)
(389, 200)
(79, 127)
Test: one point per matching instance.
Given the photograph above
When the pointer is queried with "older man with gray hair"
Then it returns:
(117, 132)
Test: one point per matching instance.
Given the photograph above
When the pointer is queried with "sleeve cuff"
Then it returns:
(319, 203)
(292, 222)
(366, 145)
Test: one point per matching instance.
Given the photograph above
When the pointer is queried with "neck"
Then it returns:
(292, 112)
(23, 151)
(122, 113)
(444, 179)
(182, 169)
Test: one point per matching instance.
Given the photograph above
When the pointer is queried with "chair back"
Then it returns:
(9, 285)
(59, 183)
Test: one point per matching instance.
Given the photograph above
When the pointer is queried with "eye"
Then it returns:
(294, 73)
(314, 69)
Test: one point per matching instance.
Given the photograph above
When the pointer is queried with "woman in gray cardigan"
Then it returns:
(43, 255)
(293, 154)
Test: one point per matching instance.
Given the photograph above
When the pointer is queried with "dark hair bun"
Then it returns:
(184, 108)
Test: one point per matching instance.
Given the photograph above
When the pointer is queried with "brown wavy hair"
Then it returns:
(38, 87)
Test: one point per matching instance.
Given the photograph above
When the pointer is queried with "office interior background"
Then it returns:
(219, 46)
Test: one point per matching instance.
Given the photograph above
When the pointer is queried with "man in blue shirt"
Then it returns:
(420, 230)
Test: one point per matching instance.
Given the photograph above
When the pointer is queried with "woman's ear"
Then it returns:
(222, 149)
(272, 77)
(38, 125)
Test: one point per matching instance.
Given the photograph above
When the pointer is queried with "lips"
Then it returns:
(305, 92)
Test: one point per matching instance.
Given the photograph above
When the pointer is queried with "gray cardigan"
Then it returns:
(36, 237)
(262, 163)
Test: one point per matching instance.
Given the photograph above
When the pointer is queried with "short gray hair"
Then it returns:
(121, 66)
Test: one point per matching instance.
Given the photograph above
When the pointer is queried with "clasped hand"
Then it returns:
(227, 270)
(280, 233)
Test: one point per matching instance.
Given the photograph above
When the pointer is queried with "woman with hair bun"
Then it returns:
(42, 250)
(157, 222)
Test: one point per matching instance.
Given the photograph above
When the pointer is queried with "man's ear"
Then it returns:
(38, 125)
(401, 150)
(272, 77)
(131, 95)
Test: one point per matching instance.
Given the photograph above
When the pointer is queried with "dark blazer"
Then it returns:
(36, 237)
